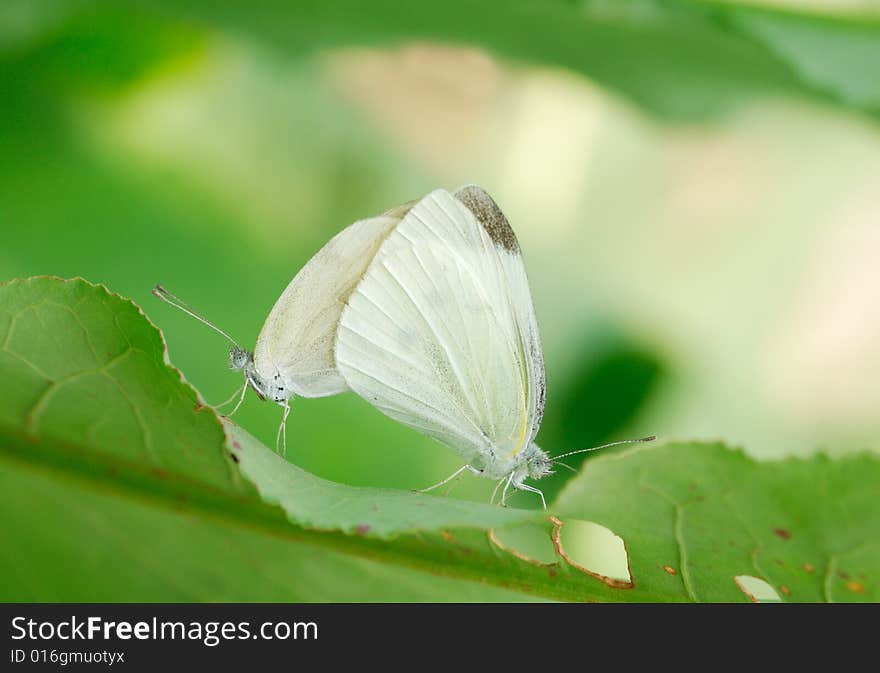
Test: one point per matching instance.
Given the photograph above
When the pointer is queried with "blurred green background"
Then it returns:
(695, 186)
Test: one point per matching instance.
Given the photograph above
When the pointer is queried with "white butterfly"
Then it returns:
(294, 350)
(424, 311)
(441, 335)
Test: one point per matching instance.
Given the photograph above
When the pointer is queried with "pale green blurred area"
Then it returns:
(704, 280)
(859, 7)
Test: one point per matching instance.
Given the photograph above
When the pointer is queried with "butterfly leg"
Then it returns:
(504, 492)
(495, 490)
(469, 468)
(531, 489)
(240, 399)
(281, 435)
(228, 400)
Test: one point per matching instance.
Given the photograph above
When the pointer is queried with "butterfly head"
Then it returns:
(242, 360)
(267, 387)
(539, 464)
(239, 358)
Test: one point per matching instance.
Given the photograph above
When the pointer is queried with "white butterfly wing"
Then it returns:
(298, 336)
(441, 334)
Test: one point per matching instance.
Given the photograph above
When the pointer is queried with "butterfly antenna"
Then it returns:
(177, 302)
(605, 446)
(567, 467)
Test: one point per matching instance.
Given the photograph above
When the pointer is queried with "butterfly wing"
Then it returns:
(441, 334)
(298, 336)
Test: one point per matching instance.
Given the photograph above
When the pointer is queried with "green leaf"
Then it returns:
(112, 462)
(828, 54)
(677, 58)
(694, 516)
(117, 483)
(317, 503)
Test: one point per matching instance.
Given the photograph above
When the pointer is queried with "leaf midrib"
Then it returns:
(72, 462)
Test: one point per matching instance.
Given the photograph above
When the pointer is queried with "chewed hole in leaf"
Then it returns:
(757, 589)
(530, 542)
(595, 550)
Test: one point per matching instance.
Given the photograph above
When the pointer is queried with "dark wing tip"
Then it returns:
(488, 214)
